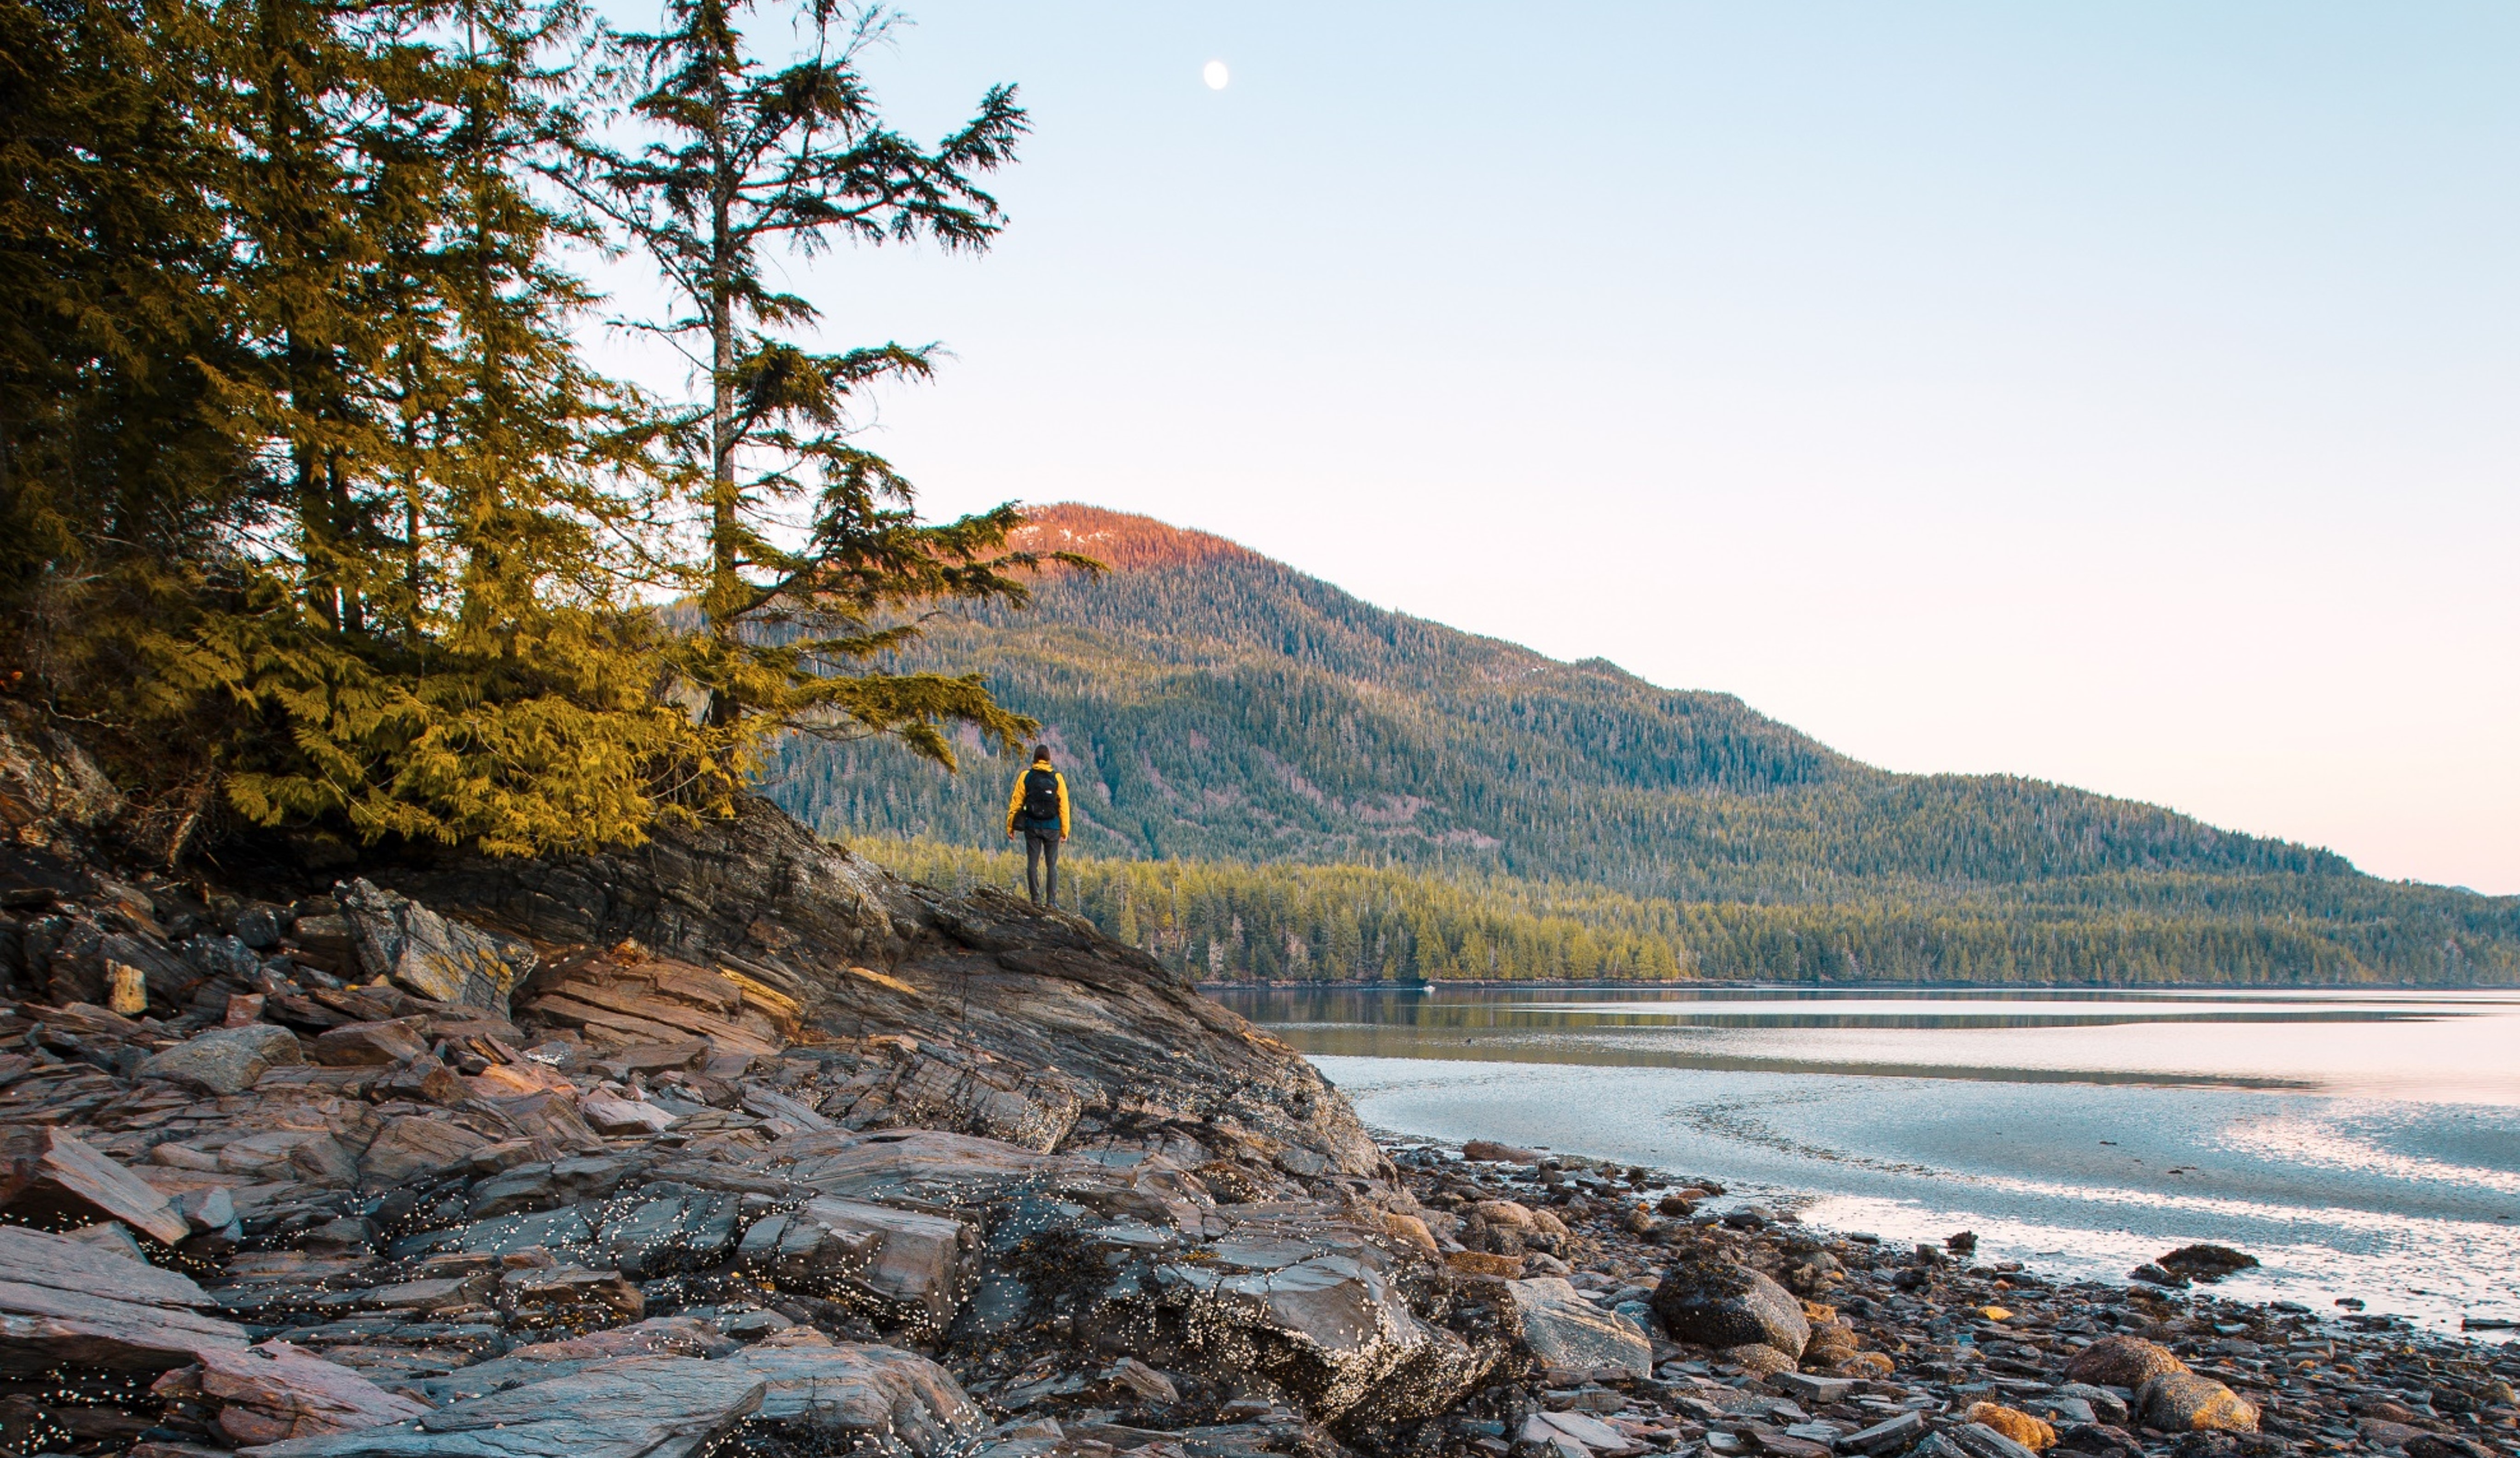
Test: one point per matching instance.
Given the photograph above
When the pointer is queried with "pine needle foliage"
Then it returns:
(312, 507)
(736, 155)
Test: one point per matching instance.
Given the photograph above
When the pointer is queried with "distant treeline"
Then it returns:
(1352, 923)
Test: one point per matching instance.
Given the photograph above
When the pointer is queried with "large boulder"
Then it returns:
(2036, 1433)
(1574, 1341)
(66, 1302)
(422, 952)
(2206, 1262)
(1330, 1329)
(2122, 1362)
(2184, 1402)
(226, 1060)
(53, 796)
(1716, 1303)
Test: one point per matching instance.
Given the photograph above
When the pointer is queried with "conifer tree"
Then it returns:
(377, 521)
(451, 652)
(306, 489)
(739, 156)
(116, 476)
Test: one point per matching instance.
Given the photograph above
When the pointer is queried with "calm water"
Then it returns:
(2361, 1145)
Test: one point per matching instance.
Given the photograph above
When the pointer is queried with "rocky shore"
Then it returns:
(735, 1143)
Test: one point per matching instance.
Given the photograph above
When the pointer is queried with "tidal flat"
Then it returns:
(2364, 1144)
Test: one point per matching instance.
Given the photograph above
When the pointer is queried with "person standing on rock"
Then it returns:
(1039, 809)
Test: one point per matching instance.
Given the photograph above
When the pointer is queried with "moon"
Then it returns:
(1215, 75)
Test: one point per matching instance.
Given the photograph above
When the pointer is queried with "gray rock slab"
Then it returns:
(668, 1232)
(2108, 1407)
(47, 1173)
(275, 1392)
(850, 1248)
(2061, 1410)
(415, 1144)
(377, 1044)
(1817, 1390)
(863, 1398)
(65, 1300)
(226, 1060)
(1882, 1437)
(929, 1166)
(564, 1229)
(891, 1398)
(629, 1407)
(1573, 1339)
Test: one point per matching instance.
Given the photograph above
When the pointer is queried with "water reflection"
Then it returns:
(2458, 1042)
(1497, 1007)
(1372, 1043)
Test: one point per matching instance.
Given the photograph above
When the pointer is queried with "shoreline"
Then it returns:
(1758, 985)
(1929, 1332)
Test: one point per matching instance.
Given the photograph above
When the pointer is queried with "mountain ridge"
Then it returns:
(1210, 704)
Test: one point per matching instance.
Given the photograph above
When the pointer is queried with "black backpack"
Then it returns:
(1041, 796)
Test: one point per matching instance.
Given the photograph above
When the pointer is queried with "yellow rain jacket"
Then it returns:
(1015, 802)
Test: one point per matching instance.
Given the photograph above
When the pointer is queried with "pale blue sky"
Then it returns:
(2123, 394)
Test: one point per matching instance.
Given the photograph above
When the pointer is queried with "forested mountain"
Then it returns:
(1210, 705)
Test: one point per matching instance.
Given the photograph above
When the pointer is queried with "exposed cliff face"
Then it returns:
(1022, 1020)
(1008, 1021)
(758, 889)
(483, 1143)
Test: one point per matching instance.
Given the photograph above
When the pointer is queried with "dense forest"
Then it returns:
(1366, 794)
(1225, 921)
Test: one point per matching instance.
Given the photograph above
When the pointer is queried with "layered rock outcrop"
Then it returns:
(735, 1141)
(626, 1153)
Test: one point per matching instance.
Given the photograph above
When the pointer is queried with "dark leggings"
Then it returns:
(1040, 847)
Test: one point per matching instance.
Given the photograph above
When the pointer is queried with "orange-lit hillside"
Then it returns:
(1120, 540)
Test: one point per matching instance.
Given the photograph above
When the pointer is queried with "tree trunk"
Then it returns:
(724, 604)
